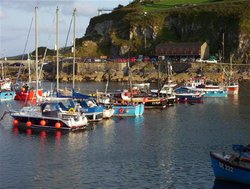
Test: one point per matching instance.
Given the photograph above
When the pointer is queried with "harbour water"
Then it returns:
(166, 149)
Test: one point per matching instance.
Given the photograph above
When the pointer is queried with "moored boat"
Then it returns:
(209, 88)
(184, 94)
(232, 88)
(6, 95)
(232, 167)
(6, 90)
(135, 96)
(27, 93)
(49, 116)
(127, 110)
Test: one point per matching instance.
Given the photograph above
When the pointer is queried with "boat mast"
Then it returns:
(29, 68)
(57, 49)
(36, 45)
(74, 47)
(159, 85)
(231, 67)
(2, 72)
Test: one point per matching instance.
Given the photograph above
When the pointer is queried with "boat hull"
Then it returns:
(215, 93)
(224, 170)
(7, 95)
(189, 98)
(128, 110)
(36, 121)
(156, 103)
(108, 113)
(233, 89)
(29, 95)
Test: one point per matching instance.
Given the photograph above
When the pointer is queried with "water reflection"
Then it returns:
(234, 99)
(219, 184)
(129, 121)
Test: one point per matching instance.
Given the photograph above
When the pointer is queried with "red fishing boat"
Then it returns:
(27, 93)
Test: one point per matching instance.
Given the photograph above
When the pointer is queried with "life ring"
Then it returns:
(71, 110)
(121, 110)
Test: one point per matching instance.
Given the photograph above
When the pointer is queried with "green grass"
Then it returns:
(166, 4)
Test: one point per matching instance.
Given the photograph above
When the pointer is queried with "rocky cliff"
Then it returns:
(128, 31)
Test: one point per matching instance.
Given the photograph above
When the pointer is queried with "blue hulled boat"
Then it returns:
(231, 168)
(92, 110)
(123, 110)
(7, 95)
(209, 88)
(6, 91)
(184, 94)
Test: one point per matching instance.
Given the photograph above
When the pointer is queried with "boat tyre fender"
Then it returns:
(71, 110)
(121, 110)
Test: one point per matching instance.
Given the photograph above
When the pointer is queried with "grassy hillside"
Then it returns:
(158, 5)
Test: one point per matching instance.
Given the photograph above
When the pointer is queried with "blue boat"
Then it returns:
(92, 110)
(7, 95)
(210, 92)
(209, 88)
(243, 151)
(220, 184)
(127, 110)
(215, 93)
(6, 90)
(231, 168)
(184, 94)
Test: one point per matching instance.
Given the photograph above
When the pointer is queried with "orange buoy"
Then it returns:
(42, 122)
(58, 125)
(15, 122)
(28, 124)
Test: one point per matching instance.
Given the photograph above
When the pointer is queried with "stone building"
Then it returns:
(179, 50)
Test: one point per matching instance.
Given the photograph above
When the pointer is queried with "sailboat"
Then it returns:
(48, 115)
(27, 91)
(93, 110)
(232, 86)
(6, 89)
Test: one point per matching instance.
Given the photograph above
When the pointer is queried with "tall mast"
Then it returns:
(2, 72)
(74, 47)
(57, 49)
(36, 44)
(223, 47)
(29, 68)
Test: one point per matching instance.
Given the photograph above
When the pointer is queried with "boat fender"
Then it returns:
(28, 123)
(121, 110)
(71, 110)
(58, 125)
(42, 122)
(15, 122)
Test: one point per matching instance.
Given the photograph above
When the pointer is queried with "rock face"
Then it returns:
(129, 31)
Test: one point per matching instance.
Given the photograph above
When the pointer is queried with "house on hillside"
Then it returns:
(183, 50)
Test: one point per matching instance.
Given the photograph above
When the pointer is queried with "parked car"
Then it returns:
(211, 61)
(17, 64)
(199, 60)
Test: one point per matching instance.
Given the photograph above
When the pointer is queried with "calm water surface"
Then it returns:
(162, 149)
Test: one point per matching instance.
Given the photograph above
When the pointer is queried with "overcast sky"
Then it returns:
(16, 17)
